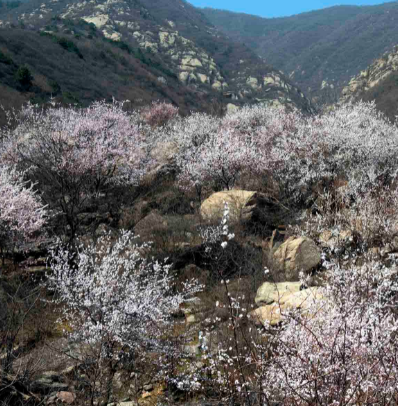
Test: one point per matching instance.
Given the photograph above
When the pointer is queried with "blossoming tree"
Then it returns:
(343, 349)
(352, 143)
(116, 301)
(21, 212)
(74, 156)
(219, 160)
(159, 113)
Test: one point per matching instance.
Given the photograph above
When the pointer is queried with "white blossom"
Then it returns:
(111, 292)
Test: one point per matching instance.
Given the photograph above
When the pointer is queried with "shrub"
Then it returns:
(117, 302)
(65, 43)
(5, 59)
(343, 351)
(68, 45)
(21, 212)
(159, 113)
(24, 77)
(9, 5)
(345, 226)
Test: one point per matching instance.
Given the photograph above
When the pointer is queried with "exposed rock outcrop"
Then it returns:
(241, 204)
(378, 83)
(274, 313)
(367, 79)
(173, 37)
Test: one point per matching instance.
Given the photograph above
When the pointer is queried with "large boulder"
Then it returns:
(275, 313)
(243, 205)
(266, 314)
(240, 202)
(302, 299)
(270, 292)
(295, 255)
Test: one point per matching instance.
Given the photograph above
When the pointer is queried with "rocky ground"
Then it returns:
(56, 365)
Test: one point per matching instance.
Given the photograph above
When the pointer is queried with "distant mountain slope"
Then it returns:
(378, 82)
(189, 61)
(72, 70)
(319, 50)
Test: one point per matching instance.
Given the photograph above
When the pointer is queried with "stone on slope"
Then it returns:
(329, 240)
(47, 385)
(240, 202)
(266, 314)
(274, 313)
(66, 397)
(154, 221)
(270, 292)
(295, 255)
(302, 299)
(243, 205)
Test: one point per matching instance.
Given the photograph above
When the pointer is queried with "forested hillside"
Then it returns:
(38, 67)
(320, 50)
(81, 52)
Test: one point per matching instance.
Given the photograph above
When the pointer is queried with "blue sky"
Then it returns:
(277, 8)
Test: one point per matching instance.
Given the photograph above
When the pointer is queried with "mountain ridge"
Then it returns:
(174, 36)
(319, 50)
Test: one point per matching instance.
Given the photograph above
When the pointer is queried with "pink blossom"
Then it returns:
(159, 113)
(343, 348)
(21, 212)
(74, 155)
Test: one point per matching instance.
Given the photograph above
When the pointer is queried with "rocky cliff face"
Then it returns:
(371, 77)
(190, 49)
(378, 82)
